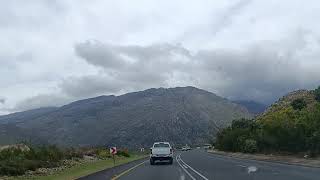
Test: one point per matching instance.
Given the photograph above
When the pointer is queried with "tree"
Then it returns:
(232, 139)
(250, 146)
(317, 94)
(242, 123)
(298, 104)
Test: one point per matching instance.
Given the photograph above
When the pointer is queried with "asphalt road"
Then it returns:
(198, 164)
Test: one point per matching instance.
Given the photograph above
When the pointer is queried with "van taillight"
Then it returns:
(170, 151)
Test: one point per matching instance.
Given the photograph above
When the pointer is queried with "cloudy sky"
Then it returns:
(56, 51)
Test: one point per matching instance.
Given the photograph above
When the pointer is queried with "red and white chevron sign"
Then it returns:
(113, 150)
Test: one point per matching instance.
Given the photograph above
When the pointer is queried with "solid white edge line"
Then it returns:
(184, 169)
(193, 169)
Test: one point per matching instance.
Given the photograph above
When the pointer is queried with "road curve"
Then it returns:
(198, 164)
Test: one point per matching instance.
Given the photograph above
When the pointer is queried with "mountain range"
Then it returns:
(182, 115)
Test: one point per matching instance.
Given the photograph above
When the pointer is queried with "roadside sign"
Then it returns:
(113, 150)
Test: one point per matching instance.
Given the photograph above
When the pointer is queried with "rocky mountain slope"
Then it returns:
(252, 106)
(180, 115)
(21, 117)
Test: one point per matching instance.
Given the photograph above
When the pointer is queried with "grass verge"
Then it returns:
(84, 169)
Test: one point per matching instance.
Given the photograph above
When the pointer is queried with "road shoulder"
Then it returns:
(272, 158)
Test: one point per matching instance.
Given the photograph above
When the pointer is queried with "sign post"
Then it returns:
(113, 151)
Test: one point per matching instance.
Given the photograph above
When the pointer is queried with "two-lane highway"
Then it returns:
(198, 164)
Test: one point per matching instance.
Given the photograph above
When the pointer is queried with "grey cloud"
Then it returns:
(225, 19)
(12, 16)
(256, 75)
(111, 56)
(239, 49)
(91, 85)
(262, 72)
(42, 100)
(126, 67)
(95, 85)
(99, 54)
(2, 100)
(153, 51)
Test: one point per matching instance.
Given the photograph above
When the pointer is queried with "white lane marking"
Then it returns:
(182, 174)
(127, 171)
(193, 169)
(185, 169)
(252, 169)
(182, 177)
(240, 165)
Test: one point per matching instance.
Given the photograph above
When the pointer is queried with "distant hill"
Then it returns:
(180, 115)
(252, 106)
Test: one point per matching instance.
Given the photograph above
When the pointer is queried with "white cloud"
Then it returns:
(237, 48)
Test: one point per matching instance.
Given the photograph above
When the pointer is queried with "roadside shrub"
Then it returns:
(103, 154)
(18, 167)
(73, 153)
(298, 104)
(123, 153)
(15, 161)
(48, 153)
(285, 130)
(250, 146)
(10, 170)
(232, 139)
(313, 143)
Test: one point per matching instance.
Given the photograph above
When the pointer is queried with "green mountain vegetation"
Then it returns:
(291, 125)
